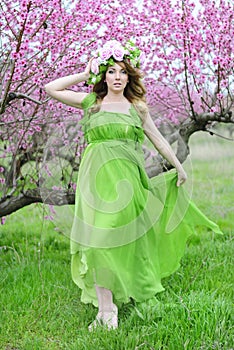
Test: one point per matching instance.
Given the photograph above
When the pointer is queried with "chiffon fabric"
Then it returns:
(129, 231)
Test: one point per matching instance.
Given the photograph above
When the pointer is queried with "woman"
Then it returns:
(121, 245)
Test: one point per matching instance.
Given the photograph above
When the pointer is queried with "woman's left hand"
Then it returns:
(182, 177)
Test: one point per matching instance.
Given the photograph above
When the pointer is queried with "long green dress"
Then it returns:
(129, 231)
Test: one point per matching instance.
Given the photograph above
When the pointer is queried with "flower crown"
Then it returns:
(113, 51)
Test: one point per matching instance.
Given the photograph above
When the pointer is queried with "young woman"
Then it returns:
(129, 231)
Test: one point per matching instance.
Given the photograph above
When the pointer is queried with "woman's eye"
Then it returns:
(110, 71)
(124, 72)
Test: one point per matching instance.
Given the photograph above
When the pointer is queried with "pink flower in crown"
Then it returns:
(105, 54)
(95, 66)
(118, 53)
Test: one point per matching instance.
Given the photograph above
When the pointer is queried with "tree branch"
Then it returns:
(13, 95)
(10, 204)
(201, 122)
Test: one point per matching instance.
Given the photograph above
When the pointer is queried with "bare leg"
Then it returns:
(105, 299)
(107, 310)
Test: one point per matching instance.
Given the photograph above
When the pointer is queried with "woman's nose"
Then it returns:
(117, 76)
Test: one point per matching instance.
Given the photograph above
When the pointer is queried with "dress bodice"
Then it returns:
(104, 125)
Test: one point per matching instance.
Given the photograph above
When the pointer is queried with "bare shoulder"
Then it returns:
(141, 105)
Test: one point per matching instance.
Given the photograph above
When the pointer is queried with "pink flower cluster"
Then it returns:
(189, 50)
(114, 49)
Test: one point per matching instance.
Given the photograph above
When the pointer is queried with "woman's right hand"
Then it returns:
(58, 88)
(88, 68)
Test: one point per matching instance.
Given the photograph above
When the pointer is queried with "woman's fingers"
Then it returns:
(182, 177)
(88, 67)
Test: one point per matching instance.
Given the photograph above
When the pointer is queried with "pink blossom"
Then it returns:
(142, 58)
(15, 55)
(56, 188)
(95, 66)
(49, 217)
(220, 96)
(53, 42)
(105, 54)
(118, 53)
(3, 220)
(73, 185)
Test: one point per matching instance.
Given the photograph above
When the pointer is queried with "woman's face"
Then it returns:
(116, 78)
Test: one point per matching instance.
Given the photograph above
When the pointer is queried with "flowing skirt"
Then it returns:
(129, 231)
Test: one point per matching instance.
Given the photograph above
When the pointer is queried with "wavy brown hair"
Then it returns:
(134, 90)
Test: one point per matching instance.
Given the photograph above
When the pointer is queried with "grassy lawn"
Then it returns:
(40, 305)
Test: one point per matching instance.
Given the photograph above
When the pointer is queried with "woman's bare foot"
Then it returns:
(97, 322)
(110, 318)
(107, 319)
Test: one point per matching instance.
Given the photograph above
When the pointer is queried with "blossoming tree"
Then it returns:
(188, 75)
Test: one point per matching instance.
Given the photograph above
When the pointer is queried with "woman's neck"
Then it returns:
(111, 97)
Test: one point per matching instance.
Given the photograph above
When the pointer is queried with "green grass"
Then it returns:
(41, 308)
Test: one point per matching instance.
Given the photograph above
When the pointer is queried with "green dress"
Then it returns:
(129, 231)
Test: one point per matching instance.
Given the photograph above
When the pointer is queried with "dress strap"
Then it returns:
(86, 104)
(89, 101)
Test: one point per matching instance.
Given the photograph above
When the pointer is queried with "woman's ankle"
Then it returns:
(109, 308)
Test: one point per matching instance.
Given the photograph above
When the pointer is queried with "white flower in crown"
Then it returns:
(93, 80)
(126, 52)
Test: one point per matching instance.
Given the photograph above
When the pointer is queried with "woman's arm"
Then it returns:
(58, 88)
(164, 148)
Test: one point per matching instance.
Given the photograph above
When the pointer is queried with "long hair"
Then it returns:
(134, 90)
